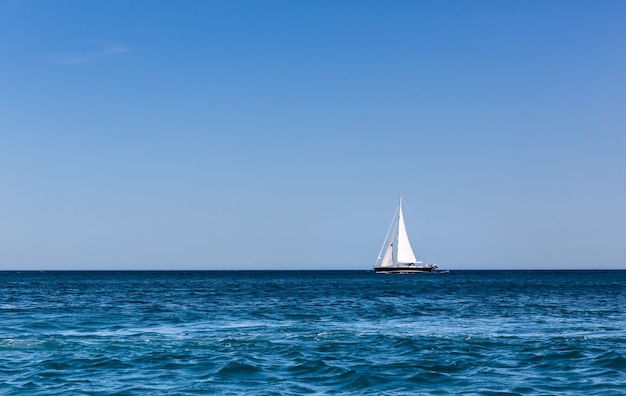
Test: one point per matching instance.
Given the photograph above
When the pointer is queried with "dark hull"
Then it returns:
(409, 269)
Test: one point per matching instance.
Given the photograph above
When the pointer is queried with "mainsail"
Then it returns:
(405, 253)
(388, 257)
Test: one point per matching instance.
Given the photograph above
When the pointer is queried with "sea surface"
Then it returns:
(313, 332)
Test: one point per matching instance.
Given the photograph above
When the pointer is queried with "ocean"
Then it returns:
(313, 332)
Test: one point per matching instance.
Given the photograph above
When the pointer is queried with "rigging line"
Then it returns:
(393, 219)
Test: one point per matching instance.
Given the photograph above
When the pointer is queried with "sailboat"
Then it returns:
(399, 257)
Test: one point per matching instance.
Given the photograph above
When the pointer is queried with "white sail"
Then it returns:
(388, 257)
(404, 253)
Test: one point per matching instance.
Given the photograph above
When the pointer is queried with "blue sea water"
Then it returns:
(313, 332)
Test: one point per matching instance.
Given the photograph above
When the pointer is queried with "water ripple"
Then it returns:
(277, 333)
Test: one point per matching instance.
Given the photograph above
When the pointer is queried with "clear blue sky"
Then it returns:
(279, 134)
